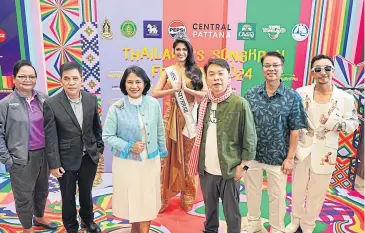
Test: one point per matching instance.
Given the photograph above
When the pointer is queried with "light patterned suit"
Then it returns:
(317, 152)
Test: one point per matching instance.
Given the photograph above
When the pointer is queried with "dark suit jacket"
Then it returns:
(65, 139)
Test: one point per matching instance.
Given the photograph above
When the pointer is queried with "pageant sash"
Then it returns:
(189, 129)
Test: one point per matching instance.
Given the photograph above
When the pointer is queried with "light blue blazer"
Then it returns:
(122, 128)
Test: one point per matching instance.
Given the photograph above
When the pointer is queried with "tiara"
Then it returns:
(181, 36)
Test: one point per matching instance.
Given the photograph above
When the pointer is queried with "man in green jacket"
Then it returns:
(226, 139)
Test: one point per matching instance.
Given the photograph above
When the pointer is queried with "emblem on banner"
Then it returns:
(128, 28)
(274, 31)
(300, 32)
(106, 32)
(175, 27)
(246, 31)
(2, 36)
(152, 29)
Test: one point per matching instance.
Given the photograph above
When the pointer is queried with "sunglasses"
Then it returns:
(318, 69)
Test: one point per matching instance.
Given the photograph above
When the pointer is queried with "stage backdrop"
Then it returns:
(107, 36)
(239, 31)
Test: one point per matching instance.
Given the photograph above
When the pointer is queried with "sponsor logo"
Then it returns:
(2, 36)
(106, 31)
(211, 30)
(152, 29)
(115, 87)
(288, 77)
(300, 32)
(274, 31)
(115, 74)
(175, 27)
(128, 28)
(246, 31)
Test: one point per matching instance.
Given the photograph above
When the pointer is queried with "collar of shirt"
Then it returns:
(279, 91)
(75, 101)
(34, 93)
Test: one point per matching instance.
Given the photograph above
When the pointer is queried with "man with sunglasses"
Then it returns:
(279, 115)
(329, 111)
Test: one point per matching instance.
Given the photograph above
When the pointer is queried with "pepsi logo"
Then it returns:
(175, 27)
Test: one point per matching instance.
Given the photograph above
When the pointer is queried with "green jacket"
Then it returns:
(236, 135)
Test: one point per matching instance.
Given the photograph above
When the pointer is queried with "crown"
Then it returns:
(181, 36)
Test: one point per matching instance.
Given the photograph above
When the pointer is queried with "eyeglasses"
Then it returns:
(24, 77)
(318, 69)
(267, 66)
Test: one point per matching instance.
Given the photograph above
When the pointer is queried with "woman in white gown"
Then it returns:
(135, 131)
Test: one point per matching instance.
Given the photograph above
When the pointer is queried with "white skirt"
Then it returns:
(136, 189)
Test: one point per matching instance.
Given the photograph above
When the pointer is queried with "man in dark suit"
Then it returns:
(73, 145)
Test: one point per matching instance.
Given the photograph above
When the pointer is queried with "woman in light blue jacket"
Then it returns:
(135, 131)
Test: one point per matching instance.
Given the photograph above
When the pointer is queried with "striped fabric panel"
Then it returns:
(335, 31)
(6, 82)
(88, 11)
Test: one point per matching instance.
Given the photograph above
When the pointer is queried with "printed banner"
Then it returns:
(239, 31)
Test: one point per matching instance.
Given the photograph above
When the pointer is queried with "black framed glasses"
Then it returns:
(318, 69)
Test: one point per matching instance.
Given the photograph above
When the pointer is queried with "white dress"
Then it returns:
(136, 184)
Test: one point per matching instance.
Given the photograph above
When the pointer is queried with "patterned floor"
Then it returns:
(343, 211)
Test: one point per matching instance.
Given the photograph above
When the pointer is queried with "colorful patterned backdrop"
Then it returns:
(50, 32)
(72, 30)
(61, 37)
(11, 44)
(297, 29)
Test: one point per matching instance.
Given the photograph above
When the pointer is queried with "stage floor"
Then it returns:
(343, 211)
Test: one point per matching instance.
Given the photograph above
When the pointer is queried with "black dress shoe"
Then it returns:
(50, 226)
(91, 227)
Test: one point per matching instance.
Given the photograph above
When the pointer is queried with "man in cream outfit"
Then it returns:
(329, 111)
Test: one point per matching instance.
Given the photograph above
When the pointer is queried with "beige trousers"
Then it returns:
(276, 182)
(308, 193)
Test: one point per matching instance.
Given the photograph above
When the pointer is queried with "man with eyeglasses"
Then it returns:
(329, 111)
(73, 146)
(279, 115)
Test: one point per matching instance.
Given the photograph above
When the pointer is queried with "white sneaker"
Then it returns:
(292, 227)
(251, 229)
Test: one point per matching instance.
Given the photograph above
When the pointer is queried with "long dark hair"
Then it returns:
(192, 71)
(19, 64)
